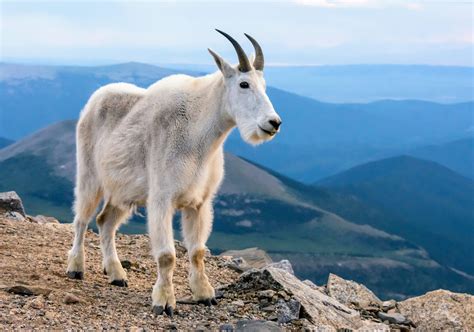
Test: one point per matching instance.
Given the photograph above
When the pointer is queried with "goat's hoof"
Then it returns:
(208, 302)
(158, 310)
(79, 275)
(105, 271)
(120, 283)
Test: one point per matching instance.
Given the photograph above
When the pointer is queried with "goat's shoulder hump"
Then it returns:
(119, 89)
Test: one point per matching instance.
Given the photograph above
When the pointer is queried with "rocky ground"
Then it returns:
(36, 294)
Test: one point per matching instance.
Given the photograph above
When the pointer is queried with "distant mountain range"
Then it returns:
(255, 207)
(367, 83)
(457, 155)
(317, 139)
(4, 142)
(425, 202)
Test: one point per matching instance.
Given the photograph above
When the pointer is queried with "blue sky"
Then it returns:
(300, 32)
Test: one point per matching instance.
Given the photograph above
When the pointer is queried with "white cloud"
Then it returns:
(412, 5)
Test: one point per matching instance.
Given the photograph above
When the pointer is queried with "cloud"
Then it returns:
(412, 5)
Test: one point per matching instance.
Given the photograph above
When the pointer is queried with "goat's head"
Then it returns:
(245, 96)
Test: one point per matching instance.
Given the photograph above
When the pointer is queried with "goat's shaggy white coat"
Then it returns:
(162, 148)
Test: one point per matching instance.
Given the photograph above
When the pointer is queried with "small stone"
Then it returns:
(270, 308)
(394, 318)
(126, 264)
(387, 305)
(238, 303)
(257, 326)
(226, 328)
(287, 311)
(71, 299)
(284, 264)
(269, 293)
(27, 290)
(37, 303)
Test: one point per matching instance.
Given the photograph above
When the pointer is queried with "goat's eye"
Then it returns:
(244, 85)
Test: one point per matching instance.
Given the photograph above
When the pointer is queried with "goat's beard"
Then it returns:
(251, 134)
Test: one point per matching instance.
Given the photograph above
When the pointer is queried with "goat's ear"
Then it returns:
(223, 66)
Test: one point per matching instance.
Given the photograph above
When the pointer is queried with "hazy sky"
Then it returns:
(291, 32)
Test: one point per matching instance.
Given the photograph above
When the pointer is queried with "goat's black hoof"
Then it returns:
(78, 275)
(208, 302)
(159, 310)
(120, 283)
(169, 310)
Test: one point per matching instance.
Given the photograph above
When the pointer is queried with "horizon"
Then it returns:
(176, 65)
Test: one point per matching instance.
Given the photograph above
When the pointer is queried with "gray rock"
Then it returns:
(15, 216)
(440, 310)
(393, 318)
(237, 264)
(28, 290)
(40, 219)
(254, 257)
(10, 202)
(387, 305)
(226, 328)
(268, 293)
(284, 264)
(351, 293)
(287, 311)
(257, 326)
(318, 308)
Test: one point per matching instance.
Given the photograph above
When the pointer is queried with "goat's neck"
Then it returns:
(220, 123)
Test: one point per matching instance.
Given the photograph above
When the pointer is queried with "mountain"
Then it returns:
(428, 204)
(320, 139)
(255, 207)
(368, 82)
(317, 139)
(4, 142)
(33, 97)
(457, 155)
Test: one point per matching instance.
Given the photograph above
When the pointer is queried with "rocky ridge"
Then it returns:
(254, 295)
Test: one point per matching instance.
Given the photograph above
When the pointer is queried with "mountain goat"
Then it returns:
(162, 148)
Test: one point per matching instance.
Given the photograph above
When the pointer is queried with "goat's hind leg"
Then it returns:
(84, 207)
(108, 220)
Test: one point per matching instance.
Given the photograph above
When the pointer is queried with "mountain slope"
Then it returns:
(33, 97)
(255, 207)
(4, 142)
(457, 155)
(428, 203)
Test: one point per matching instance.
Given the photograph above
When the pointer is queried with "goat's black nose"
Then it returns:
(275, 123)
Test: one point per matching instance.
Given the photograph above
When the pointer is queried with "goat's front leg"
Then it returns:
(160, 227)
(196, 225)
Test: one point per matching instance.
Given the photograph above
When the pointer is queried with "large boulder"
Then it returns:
(351, 293)
(12, 206)
(318, 308)
(440, 310)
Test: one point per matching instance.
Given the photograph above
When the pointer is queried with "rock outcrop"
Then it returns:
(35, 293)
(11, 205)
(440, 310)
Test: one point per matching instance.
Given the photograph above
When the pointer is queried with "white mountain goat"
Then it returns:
(162, 148)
